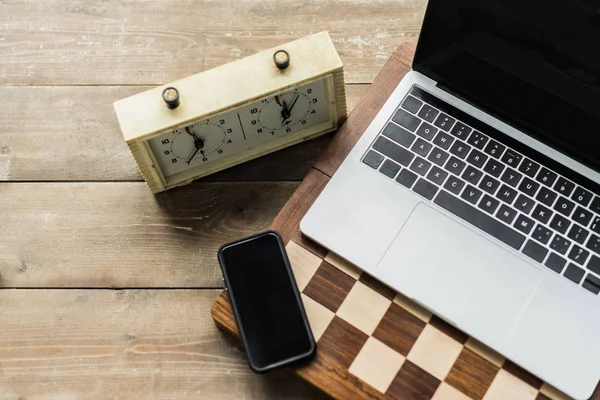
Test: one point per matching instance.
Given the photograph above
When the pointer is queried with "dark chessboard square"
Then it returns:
(399, 329)
(472, 374)
(329, 286)
(377, 286)
(341, 343)
(412, 383)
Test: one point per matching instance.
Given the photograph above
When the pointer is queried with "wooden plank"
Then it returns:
(71, 133)
(120, 235)
(156, 41)
(125, 344)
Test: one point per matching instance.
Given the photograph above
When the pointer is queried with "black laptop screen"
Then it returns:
(535, 64)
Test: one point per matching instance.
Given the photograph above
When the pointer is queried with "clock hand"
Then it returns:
(278, 101)
(193, 155)
(289, 111)
(192, 134)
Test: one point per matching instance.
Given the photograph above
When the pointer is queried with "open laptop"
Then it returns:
(475, 191)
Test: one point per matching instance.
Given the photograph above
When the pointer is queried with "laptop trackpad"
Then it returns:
(459, 274)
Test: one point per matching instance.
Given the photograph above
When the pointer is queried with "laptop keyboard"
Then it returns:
(527, 206)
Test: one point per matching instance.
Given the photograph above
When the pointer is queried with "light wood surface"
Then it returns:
(75, 216)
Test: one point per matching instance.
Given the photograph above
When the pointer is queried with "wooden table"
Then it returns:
(105, 289)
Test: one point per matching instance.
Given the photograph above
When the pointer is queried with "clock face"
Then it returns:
(241, 128)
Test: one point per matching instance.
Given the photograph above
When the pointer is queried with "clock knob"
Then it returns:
(281, 59)
(171, 97)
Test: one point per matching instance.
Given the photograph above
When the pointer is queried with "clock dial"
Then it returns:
(238, 129)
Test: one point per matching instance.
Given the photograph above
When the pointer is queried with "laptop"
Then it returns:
(475, 191)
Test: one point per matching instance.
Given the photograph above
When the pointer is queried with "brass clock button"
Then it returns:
(281, 59)
(171, 97)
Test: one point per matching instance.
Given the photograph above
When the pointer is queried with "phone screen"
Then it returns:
(268, 307)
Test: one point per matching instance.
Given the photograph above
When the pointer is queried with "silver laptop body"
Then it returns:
(423, 246)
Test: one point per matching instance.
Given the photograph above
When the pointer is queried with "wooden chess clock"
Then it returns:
(242, 110)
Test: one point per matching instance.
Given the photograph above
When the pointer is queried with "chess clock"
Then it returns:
(236, 112)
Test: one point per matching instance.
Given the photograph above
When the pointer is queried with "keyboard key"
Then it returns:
(595, 206)
(524, 224)
(564, 187)
(426, 131)
(594, 244)
(524, 204)
(428, 113)
(511, 177)
(460, 149)
(455, 165)
(596, 225)
(461, 131)
(421, 147)
(437, 175)
(592, 283)
(574, 273)
(560, 223)
(506, 214)
(478, 140)
(578, 234)
(529, 168)
(542, 213)
(398, 134)
(472, 175)
(393, 151)
(438, 156)
(582, 216)
(477, 158)
(494, 168)
(489, 204)
(420, 166)
(594, 264)
(454, 185)
(546, 177)
(529, 187)
(507, 194)
(555, 262)
(406, 120)
(443, 140)
(373, 159)
(541, 234)
(582, 196)
(535, 251)
(494, 149)
(512, 158)
(412, 104)
(560, 244)
(578, 255)
(564, 206)
(406, 178)
(389, 169)
(444, 122)
(546, 196)
(425, 189)
(489, 184)
(480, 219)
(471, 194)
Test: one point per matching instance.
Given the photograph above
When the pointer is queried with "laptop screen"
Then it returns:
(535, 64)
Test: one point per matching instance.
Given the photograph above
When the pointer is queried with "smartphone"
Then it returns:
(266, 302)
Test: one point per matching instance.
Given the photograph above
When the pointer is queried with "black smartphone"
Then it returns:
(266, 302)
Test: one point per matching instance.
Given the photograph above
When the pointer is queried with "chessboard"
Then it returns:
(374, 343)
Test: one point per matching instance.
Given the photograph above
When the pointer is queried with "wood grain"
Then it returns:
(125, 344)
(156, 41)
(120, 235)
(71, 133)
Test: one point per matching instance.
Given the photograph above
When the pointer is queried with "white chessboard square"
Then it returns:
(435, 352)
(508, 386)
(377, 364)
(363, 308)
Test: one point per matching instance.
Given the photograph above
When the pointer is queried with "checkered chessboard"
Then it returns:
(397, 347)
